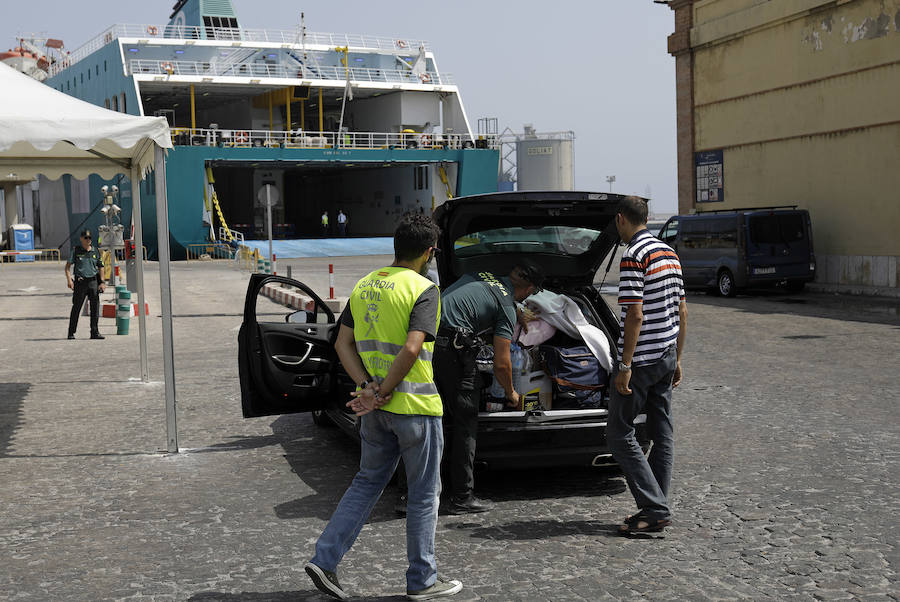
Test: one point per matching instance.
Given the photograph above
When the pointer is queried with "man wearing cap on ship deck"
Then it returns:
(475, 304)
(87, 282)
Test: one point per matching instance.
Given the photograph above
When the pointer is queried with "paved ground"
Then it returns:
(786, 482)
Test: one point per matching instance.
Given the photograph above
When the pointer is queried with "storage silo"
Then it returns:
(545, 161)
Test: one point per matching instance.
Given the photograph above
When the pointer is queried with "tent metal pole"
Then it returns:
(139, 268)
(165, 298)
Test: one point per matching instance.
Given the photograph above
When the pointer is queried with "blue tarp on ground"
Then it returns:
(325, 247)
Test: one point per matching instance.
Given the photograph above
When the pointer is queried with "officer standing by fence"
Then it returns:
(87, 283)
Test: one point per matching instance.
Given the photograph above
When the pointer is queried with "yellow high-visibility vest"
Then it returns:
(381, 303)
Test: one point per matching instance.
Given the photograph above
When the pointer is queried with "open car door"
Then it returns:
(286, 357)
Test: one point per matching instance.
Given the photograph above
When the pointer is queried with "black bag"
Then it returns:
(574, 368)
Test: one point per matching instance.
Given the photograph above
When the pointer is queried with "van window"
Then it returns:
(670, 232)
(777, 228)
(710, 233)
(723, 233)
(693, 233)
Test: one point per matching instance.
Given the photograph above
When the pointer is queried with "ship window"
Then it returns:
(68, 87)
(421, 177)
(82, 78)
(104, 65)
(97, 70)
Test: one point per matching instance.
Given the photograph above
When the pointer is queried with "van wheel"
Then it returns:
(725, 284)
(320, 418)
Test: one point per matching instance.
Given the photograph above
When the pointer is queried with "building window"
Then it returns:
(82, 78)
(115, 103)
(104, 65)
(106, 102)
(122, 103)
(97, 70)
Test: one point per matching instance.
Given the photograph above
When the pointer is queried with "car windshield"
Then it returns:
(555, 240)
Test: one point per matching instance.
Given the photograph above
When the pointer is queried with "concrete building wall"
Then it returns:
(801, 97)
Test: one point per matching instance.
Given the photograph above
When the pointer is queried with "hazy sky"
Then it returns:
(596, 67)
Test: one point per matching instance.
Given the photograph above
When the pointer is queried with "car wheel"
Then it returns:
(320, 418)
(725, 284)
(795, 286)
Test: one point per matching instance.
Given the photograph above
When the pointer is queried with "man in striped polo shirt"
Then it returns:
(651, 339)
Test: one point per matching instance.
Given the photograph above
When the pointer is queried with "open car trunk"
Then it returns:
(569, 234)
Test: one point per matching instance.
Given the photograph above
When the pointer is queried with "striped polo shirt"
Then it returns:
(650, 273)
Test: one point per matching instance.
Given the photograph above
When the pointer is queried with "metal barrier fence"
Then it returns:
(148, 32)
(210, 251)
(37, 254)
(308, 139)
(286, 71)
(245, 258)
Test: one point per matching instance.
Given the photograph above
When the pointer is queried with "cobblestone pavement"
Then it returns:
(786, 480)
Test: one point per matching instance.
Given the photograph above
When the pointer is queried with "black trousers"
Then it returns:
(85, 287)
(459, 384)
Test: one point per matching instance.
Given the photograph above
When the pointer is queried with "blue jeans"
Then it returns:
(387, 437)
(648, 476)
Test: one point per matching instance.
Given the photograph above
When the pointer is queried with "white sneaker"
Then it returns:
(441, 587)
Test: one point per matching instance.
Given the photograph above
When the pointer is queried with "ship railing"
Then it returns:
(235, 138)
(260, 70)
(184, 32)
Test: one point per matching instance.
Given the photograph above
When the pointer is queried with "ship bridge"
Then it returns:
(362, 123)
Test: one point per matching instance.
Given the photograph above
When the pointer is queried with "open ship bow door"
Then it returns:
(286, 357)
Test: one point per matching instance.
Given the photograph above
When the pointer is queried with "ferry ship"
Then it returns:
(356, 123)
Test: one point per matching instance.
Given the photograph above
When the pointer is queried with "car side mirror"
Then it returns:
(300, 317)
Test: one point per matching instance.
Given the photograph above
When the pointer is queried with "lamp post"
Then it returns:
(610, 180)
(112, 232)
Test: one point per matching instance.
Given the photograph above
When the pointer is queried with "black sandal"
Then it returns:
(639, 523)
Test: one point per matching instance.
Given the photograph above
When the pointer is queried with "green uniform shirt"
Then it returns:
(86, 264)
(470, 304)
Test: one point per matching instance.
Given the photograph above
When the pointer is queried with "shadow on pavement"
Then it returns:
(556, 483)
(311, 594)
(539, 529)
(12, 398)
(256, 596)
(326, 460)
(879, 310)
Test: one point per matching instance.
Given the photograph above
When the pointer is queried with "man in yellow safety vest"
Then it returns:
(385, 343)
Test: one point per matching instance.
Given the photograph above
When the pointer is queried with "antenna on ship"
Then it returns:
(303, 35)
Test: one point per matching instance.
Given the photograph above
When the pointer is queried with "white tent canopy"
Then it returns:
(43, 131)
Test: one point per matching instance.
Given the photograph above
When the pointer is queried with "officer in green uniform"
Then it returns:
(87, 283)
(476, 304)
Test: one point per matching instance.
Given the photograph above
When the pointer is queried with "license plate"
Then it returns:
(764, 270)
